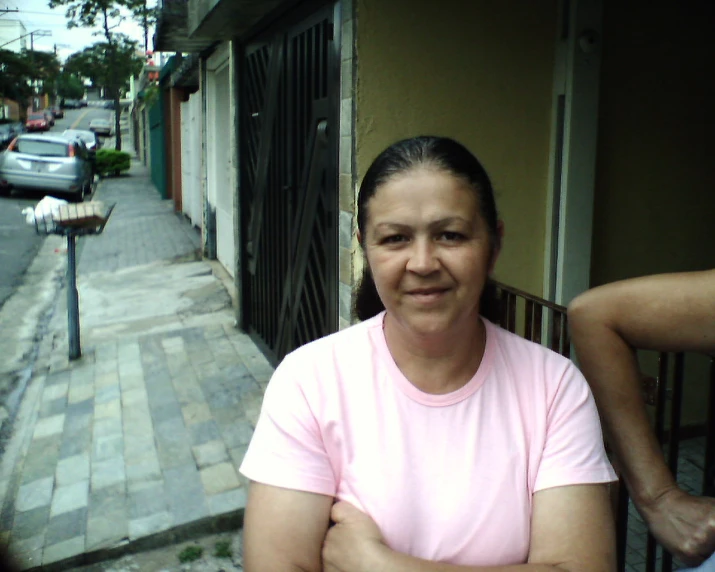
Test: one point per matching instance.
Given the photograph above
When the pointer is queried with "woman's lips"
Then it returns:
(426, 295)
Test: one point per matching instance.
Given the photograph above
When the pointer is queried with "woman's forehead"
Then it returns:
(425, 191)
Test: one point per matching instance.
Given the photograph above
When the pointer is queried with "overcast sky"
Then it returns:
(36, 15)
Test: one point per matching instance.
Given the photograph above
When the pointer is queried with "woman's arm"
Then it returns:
(670, 312)
(572, 530)
(284, 529)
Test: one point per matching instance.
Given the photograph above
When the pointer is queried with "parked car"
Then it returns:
(101, 126)
(46, 162)
(50, 117)
(6, 134)
(89, 138)
(71, 104)
(18, 127)
(57, 112)
(108, 105)
(83, 103)
(37, 122)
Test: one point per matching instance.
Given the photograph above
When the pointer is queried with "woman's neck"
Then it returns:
(441, 363)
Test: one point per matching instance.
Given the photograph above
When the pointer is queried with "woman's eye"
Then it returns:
(394, 239)
(451, 236)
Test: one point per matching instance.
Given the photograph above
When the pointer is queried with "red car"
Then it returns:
(37, 122)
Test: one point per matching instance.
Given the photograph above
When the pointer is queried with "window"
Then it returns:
(41, 148)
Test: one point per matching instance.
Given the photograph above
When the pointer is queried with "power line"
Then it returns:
(41, 13)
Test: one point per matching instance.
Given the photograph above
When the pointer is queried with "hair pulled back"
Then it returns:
(440, 153)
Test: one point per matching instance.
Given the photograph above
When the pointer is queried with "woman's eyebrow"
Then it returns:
(439, 223)
(447, 221)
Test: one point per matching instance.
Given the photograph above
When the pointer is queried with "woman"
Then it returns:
(448, 443)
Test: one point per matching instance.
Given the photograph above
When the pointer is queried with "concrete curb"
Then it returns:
(25, 316)
(228, 522)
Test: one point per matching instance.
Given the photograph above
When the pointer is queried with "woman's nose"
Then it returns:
(422, 257)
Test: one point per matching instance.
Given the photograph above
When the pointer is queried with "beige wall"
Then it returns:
(481, 72)
(655, 182)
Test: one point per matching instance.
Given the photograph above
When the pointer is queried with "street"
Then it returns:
(18, 242)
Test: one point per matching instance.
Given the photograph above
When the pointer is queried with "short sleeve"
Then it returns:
(574, 451)
(287, 449)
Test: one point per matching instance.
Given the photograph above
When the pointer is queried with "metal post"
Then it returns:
(72, 298)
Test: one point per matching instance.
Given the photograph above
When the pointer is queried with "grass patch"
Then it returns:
(223, 549)
(190, 553)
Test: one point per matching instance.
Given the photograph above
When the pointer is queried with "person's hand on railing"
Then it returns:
(685, 525)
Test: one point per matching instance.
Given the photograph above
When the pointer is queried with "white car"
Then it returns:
(101, 126)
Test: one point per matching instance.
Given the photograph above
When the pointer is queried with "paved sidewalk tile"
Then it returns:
(35, 494)
(219, 478)
(69, 498)
(72, 470)
(64, 549)
(146, 432)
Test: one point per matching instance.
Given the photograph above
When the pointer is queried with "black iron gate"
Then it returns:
(289, 143)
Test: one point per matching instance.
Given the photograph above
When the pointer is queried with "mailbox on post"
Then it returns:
(73, 220)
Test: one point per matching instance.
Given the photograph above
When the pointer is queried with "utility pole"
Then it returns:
(39, 33)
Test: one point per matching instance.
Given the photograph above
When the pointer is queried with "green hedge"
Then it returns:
(112, 162)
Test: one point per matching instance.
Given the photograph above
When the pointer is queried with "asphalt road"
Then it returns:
(18, 241)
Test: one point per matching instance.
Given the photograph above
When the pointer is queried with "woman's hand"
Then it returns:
(354, 543)
(684, 524)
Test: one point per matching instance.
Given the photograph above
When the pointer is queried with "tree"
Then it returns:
(15, 75)
(19, 72)
(105, 13)
(45, 68)
(147, 18)
(94, 63)
(70, 86)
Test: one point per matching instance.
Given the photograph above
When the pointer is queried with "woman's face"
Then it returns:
(429, 250)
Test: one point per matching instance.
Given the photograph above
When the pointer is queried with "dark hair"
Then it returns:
(446, 155)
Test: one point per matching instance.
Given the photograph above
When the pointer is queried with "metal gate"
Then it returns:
(289, 184)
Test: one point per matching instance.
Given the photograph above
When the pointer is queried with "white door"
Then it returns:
(573, 150)
(218, 155)
(222, 165)
(191, 159)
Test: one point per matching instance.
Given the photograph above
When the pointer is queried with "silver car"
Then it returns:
(101, 126)
(46, 162)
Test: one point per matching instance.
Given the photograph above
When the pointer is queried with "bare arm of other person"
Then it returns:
(669, 312)
(572, 530)
(284, 529)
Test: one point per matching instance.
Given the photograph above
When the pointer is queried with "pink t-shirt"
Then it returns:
(447, 478)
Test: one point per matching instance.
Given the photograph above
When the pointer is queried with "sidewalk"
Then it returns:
(137, 443)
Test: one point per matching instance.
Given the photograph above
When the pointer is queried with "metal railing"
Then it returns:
(546, 323)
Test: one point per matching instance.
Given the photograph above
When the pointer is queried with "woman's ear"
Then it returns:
(359, 237)
(496, 249)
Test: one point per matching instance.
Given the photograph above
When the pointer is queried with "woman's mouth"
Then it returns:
(427, 295)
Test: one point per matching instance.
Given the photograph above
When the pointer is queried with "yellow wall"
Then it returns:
(655, 182)
(480, 72)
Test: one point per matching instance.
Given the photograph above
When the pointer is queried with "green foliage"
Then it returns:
(15, 74)
(190, 553)
(112, 162)
(223, 549)
(18, 70)
(107, 15)
(70, 86)
(91, 13)
(151, 94)
(106, 65)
